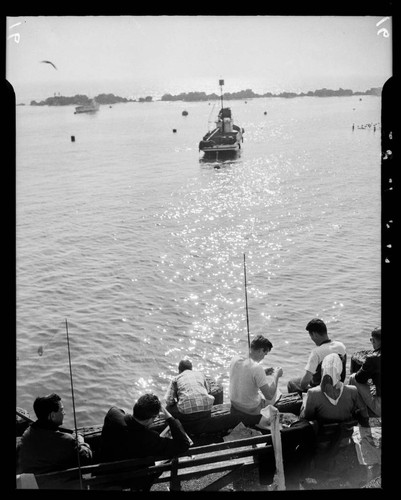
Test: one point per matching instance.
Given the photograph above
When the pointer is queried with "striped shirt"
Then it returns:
(190, 389)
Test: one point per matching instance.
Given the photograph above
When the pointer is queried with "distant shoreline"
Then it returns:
(80, 99)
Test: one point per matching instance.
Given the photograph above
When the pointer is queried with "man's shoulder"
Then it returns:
(328, 347)
(337, 343)
(114, 410)
(372, 359)
(237, 359)
(374, 354)
(115, 416)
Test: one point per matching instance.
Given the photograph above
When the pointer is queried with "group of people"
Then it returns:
(188, 402)
(367, 125)
(327, 397)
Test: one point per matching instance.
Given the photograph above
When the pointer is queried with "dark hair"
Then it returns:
(184, 364)
(377, 334)
(316, 325)
(146, 407)
(260, 342)
(44, 405)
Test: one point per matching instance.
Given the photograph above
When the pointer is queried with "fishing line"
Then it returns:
(246, 307)
(73, 405)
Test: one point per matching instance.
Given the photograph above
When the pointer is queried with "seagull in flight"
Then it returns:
(49, 62)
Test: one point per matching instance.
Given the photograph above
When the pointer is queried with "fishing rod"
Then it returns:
(73, 405)
(30, 421)
(246, 307)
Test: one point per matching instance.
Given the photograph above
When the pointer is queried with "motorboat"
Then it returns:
(92, 107)
(226, 136)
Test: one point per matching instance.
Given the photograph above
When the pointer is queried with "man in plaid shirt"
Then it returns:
(188, 399)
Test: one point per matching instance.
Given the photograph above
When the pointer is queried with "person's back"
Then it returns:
(371, 370)
(244, 383)
(250, 389)
(43, 447)
(318, 407)
(324, 346)
(126, 436)
(368, 378)
(319, 353)
(192, 392)
(332, 400)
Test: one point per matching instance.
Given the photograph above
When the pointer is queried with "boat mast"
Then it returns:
(221, 83)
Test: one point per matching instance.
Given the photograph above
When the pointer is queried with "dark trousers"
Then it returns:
(246, 418)
(203, 422)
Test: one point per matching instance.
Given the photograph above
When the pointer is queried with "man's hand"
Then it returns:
(78, 437)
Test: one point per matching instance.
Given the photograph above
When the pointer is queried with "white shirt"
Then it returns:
(246, 377)
(320, 352)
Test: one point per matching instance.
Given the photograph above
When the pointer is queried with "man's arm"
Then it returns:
(308, 410)
(168, 447)
(305, 380)
(269, 390)
(171, 394)
(366, 371)
(207, 384)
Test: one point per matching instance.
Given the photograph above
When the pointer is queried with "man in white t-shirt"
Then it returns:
(312, 376)
(248, 377)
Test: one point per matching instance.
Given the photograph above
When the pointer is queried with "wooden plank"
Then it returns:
(278, 452)
(185, 469)
(209, 455)
(209, 448)
(224, 480)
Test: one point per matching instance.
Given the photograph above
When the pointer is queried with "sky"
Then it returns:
(153, 55)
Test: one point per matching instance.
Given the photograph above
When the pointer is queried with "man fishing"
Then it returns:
(248, 377)
(44, 447)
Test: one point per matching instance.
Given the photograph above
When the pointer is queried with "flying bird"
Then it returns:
(49, 62)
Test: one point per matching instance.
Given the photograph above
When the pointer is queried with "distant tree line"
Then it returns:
(249, 94)
(80, 99)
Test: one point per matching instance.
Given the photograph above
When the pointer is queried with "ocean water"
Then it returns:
(137, 245)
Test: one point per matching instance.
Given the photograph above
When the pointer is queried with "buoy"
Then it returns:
(184, 113)
(174, 130)
(73, 138)
(265, 113)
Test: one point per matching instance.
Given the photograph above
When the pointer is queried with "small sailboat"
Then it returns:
(226, 136)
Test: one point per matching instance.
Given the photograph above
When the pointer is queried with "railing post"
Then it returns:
(278, 452)
(175, 483)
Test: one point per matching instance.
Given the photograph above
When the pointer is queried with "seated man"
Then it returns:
(332, 401)
(312, 376)
(368, 378)
(247, 377)
(127, 436)
(188, 399)
(44, 448)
